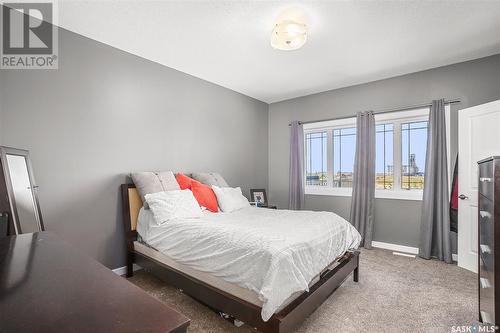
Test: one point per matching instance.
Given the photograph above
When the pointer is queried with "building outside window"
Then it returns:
(414, 145)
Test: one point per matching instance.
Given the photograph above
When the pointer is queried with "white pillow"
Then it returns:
(230, 199)
(171, 205)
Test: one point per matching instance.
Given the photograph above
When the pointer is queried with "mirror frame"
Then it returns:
(4, 151)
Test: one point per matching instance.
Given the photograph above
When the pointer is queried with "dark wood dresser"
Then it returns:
(47, 286)
(489, 239)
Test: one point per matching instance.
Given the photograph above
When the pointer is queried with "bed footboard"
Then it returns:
(297, 311)
(284, 321)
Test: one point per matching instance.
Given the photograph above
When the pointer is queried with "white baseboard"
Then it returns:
(404, 254)
(403, 248)
(395, 247)
(123, 270)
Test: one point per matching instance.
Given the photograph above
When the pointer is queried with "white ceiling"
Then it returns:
(350, 42)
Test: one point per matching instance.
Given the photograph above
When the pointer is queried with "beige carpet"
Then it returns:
(395, 294)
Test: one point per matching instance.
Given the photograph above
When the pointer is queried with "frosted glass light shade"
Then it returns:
(288, 35)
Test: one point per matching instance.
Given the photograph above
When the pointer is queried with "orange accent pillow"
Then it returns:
(205, 196)
(184, 181)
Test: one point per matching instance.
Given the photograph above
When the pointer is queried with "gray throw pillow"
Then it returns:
(154, 182)
(210, 178)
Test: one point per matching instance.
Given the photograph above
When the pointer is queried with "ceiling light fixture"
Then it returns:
(288, 35)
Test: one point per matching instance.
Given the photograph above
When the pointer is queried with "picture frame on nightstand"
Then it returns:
(259, 197)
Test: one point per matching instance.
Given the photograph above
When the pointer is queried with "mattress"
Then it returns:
(270, 255)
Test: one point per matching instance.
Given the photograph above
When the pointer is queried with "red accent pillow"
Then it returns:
(205, 196)
(184, 181)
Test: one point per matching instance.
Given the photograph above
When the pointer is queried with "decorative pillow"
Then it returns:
(184, 181)
(173, 205)
(230, 199)
(205, 196)
(154, 182)
(210, 178)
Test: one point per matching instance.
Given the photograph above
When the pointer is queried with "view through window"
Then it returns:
(401, 143)
(414, 147)
(316, 158)
(384, 163)
(344, 149)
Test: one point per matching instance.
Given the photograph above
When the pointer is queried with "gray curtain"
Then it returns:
(296, 174)
(363, 186)
(435, 223)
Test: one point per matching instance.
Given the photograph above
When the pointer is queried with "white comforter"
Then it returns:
(275, 253)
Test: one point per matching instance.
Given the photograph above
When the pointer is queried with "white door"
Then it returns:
(478, 138)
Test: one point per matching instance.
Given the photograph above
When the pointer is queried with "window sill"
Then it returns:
(379, 194)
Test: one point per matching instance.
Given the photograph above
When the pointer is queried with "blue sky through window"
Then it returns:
(344, 149)
(414, 139)
(384, 148)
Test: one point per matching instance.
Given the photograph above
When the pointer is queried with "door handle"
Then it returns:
(463, 197)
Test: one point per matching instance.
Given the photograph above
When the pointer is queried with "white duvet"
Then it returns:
(274, 253)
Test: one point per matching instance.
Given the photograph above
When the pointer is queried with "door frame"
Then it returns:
(485, 108)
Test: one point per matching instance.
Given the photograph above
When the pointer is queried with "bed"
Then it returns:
(275, 293)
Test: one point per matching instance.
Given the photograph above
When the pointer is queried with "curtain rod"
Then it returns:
(409, 107)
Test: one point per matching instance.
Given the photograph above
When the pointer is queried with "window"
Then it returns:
(384, 162)
(330, 148)
(344, 148)
(413, 147)
(316, 162)
(401, 144)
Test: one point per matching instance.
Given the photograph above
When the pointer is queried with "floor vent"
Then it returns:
(404, 254)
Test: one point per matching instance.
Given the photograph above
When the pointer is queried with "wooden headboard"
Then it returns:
(131, 204)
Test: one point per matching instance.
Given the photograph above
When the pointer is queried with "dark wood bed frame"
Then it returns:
(284, 321)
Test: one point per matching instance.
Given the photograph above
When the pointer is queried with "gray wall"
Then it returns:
(106, 113)
(396, 221)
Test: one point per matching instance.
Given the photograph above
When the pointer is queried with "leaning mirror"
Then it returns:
(21, 200)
